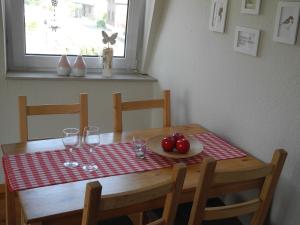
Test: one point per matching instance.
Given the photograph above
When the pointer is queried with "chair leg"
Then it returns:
(10, 207)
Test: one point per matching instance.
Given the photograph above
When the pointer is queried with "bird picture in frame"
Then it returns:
(286, 22)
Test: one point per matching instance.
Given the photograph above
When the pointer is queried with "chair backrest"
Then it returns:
(259, 206)
(80, 108)
(171, 188)
(119, 107)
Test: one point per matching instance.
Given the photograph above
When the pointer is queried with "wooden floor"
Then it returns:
(2, 207)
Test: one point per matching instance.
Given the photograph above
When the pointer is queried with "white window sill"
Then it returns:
(89, 77)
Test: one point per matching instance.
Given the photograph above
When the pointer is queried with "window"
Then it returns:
(39, 31)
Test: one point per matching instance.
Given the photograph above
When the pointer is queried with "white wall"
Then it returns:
(56, 92)
(254, 102)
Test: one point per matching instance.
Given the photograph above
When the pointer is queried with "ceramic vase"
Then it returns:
(107, 56)
(63, 67)
(79, 67)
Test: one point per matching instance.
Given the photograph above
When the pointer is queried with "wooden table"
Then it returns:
(64, 202)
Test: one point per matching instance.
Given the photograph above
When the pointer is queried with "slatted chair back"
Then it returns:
(25, 110)
(259, 206)
(120, 106)
(171, 189)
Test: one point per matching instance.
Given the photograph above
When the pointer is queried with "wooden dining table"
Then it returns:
(63, 203)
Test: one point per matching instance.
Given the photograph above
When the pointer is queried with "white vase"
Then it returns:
(79, 67)
(107, 56)
(63, 67)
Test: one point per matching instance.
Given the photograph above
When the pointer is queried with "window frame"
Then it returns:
(15, 42)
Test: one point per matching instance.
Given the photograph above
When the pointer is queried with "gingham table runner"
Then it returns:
(32, 170)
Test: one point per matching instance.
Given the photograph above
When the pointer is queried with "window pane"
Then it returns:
(55, 27)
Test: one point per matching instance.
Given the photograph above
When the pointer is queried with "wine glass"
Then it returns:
(70, 140)
(91, 138)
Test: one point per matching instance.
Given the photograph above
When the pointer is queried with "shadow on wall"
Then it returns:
(182, 103)
(157, 28)
(283, 204)
(286, 203)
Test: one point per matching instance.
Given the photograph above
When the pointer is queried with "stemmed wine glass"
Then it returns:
(70, 140)
(91, 138)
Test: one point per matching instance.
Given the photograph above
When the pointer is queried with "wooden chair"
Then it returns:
(259, 206)
(94, 204)
(120, 106)
(80, 108)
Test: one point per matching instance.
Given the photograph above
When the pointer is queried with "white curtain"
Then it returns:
(151, 14)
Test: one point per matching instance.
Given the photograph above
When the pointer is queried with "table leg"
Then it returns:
(10, 207)
(136, 218)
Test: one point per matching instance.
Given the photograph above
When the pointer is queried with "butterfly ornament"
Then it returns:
(109, 39)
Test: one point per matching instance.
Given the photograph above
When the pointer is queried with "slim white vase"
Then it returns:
(79, 67)
(107, 56)
(63, 67)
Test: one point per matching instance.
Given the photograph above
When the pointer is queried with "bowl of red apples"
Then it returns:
(175, 146)
(176, 142)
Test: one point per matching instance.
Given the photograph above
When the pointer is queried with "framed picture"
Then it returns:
(286, 23)
(218, 15)
(250, 6)
(246, 40)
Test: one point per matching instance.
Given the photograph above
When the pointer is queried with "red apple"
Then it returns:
(182, 145)
(168, 143)
(178, 136)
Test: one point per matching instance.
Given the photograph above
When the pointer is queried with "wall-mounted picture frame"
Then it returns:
(250, 6)
(218, 15)
(246, 40)
(286, 22)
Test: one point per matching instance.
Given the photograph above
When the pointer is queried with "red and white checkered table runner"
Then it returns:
(32, 170)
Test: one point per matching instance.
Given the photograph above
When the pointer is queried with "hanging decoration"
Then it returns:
(54, 26)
